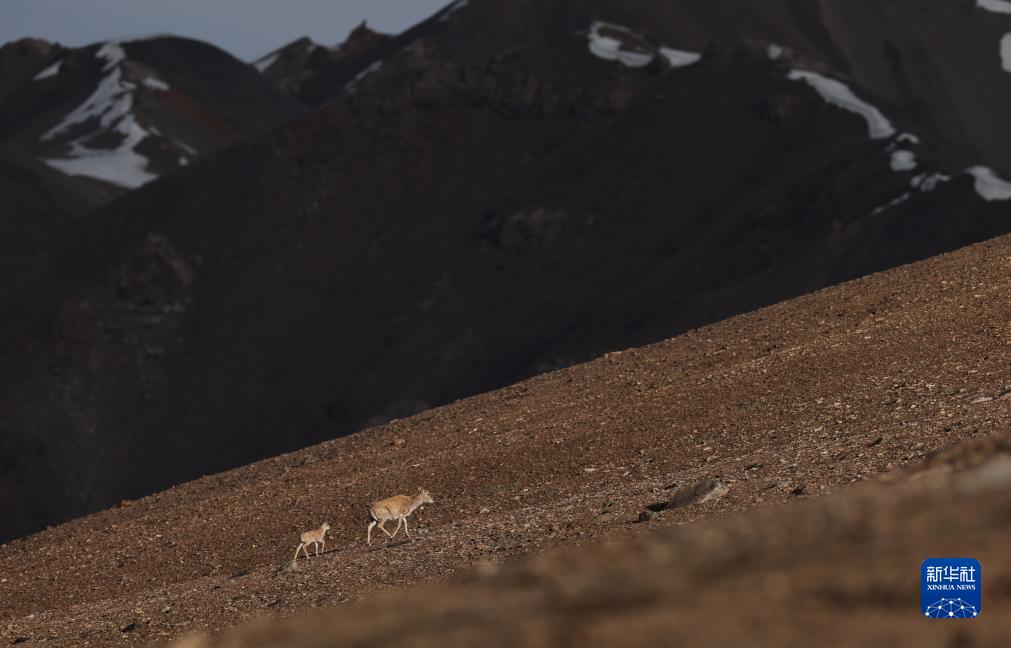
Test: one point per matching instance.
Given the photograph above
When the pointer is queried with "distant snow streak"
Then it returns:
(679, 58)
(50, 71)
(989, 185)
(264, 63)
(839, 94)
(894, 203)
(996, 6)
(1005, 52)
(903, 160)
(610, 48)
(155, 84)
(452, 9)
(929, 181)
(353, 84)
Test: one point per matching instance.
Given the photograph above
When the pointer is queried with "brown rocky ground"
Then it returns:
(784, 404)
(842, 569)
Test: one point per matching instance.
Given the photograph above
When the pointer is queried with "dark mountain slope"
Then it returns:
(309, 71)
(79, 127)
(939, 65)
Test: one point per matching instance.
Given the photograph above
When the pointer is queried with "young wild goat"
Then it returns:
(315, 537)
(396, 508)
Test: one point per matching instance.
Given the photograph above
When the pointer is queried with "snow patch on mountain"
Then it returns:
(774, 51)
(1005, 52)
(996, 6)
(452, 9)
(50, 71)
(894, 203)
(928, 181)
(111, 104)
(989, 185)
(155, 84)
(903, 160)
(679, 58)
(839, 94)
(264, 63)
(616, 43)
(610, 48)
(353, 83)
(121, 166)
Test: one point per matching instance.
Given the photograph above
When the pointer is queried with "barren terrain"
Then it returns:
(792, 402)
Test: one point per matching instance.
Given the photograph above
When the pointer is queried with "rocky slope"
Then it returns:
(775, 578)
(795, 401)
(506, 189)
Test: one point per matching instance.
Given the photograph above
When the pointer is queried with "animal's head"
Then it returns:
(326, 526)
(426, 498)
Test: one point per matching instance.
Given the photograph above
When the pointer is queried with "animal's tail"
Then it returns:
(372, 513)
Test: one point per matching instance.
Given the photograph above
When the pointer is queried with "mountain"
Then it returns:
(310, 72)
(128, 111)
(817, 427)
(79, 127)
(512, 188)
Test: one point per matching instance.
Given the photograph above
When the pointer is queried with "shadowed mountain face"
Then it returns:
(510, 188)
(79, 127)
(311, 72)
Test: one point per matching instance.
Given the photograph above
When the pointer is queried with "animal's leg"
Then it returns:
(397, 530)
(306, 551)
(384, 529)
(297, 549)
(324, 546)
(405, 528)
(368, 534)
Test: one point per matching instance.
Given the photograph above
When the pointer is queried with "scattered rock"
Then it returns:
(797, 491)
(983, 399)
(484, 511)
(697, 493)
(875, 442)
(779, 483)
(166, 609)
(286, 567)
(646, 516)
(130, 627)
(399, 442)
